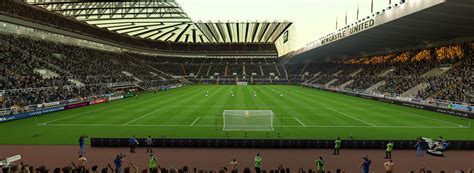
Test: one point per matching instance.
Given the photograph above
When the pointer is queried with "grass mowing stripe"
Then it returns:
(182, 94)
(300, 126)
(185, 105)
(443, 121)
(75, 115)
(333, 99)
(399, 109)
(305, 96)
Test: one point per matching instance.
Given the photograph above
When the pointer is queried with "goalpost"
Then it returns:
(248, 120)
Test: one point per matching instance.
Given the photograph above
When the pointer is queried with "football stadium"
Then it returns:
(182, 86)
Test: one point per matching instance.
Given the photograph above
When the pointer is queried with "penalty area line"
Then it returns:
(195, 121)
(350, 116)
(143, 116)
(299, 121)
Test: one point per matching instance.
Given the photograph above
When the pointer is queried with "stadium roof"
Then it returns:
(448, 20)
(162, 20)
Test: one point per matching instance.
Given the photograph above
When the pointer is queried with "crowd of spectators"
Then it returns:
(456, 84)
(81, 72)
(153, 167)
(69, 72)
(402, 72)
(361, 83)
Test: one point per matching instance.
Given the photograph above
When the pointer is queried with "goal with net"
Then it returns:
(248, 120)
(242, 83)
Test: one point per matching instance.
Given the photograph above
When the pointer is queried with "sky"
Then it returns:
(311, 18)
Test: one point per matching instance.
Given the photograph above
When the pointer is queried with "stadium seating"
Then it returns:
(76, 72)
(401, 72)
(35, 72)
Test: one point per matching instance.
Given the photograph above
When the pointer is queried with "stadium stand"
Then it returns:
(69, 67)
(404, 71)
(37, 72)
(22, 10)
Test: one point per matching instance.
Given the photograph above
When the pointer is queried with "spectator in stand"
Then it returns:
(320, 165)
(389, 166)
(94, 168)
(153, 164)
(132, 168)
(81, 164)
(365, 165)
(234, 166)
(118, 161)
(107, 168)
(258, 163)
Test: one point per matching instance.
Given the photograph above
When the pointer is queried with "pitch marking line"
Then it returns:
(299, 121)
(260, 116)
(286, 126)
(143, 116)
(350, 116)
(194, 122)
(72, 116)
(447, 122)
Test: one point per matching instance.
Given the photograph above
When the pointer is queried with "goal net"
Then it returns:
(242, 83)
(248, 120)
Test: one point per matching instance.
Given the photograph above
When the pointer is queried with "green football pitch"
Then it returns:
(299, 113)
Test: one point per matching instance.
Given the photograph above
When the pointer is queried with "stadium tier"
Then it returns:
(39, 72)
(215, 95)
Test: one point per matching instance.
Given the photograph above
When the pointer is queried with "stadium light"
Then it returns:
(402, 1)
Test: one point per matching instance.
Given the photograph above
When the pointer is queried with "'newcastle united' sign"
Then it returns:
(348, 31)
